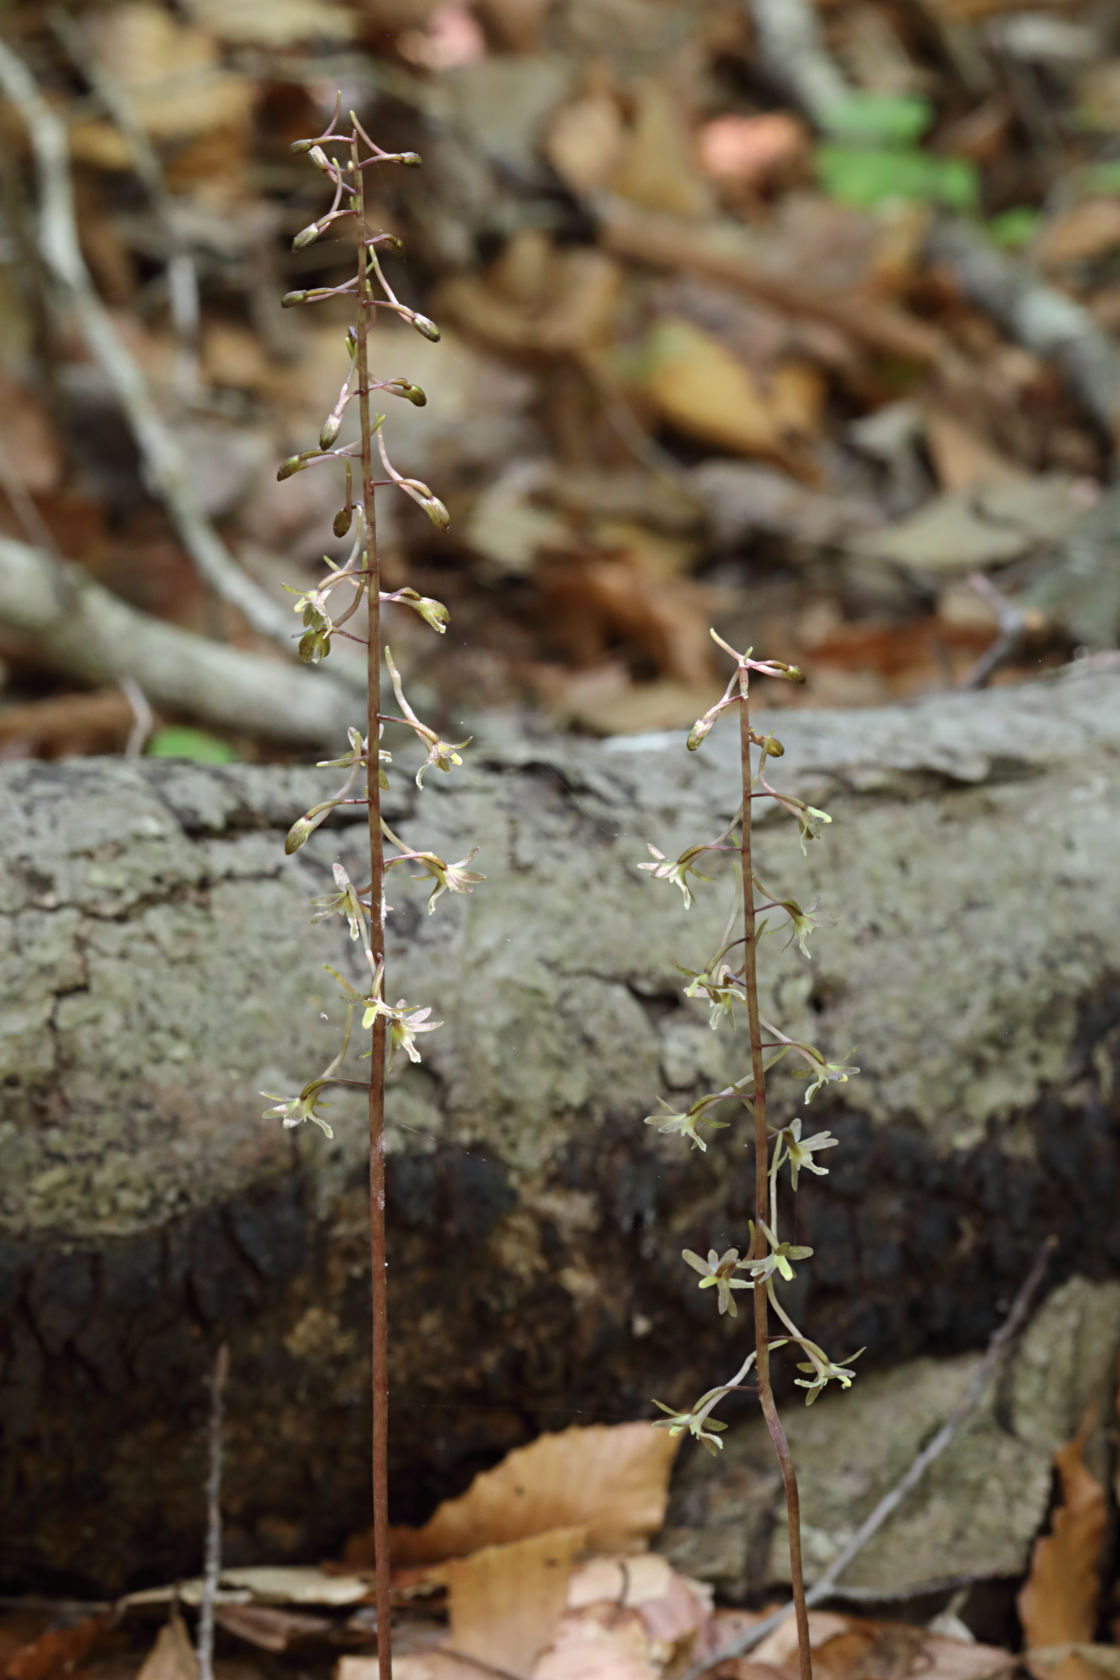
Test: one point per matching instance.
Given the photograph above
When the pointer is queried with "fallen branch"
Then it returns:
(84, 631)
(719, 250)
(792, 53)
(1036, 315)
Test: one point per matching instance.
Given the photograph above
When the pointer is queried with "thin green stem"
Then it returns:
(378, 1260)
(761, 1183)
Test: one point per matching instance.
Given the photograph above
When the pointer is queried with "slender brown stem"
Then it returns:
(378, 1260)
(759, 1246)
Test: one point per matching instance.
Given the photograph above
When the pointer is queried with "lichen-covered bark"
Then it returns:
(161, 969)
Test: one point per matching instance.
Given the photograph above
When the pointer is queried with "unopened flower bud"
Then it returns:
(436, 512)
(331, 428)
(391, 242)
(306, 236)
(411, 160)
(427, 329)
(405, 388)
(290, 299)
(343, 520)
(301, 146)
(297, 836)
(699, 731)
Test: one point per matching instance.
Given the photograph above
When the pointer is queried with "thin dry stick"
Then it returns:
(166, 470)
(893, 1498)
(378, 1261)
(761, 1181)
(212, 1566)
(88, 633)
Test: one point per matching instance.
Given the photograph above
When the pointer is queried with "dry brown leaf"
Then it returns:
(451, 35)
(434, 1664)
(535, 298)
(1102, 1659)
(1098, 95)
(613, 1479)
(700, 388)
(1083, 232)
(282, 23)
(750, 151)
(600, 1642)
(172, 77)
(844, 1646)
(960, 456)
(269, 1583)
(270, 1628)
(30, 450)
(1058, 1603)
(172, 1657)
(585, 141)
(657, 169)
(591, 602)
(505, 1601)
(674, 1610)
(57, 1652)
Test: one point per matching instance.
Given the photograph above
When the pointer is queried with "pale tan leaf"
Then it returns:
(505, 1601)
(1103, 1659)
(267, 1584)
(599, 1642)
(171, 76)
(961, 457)
(699, 387)
(270, 1628)
(172, 1657)
(1058, 1604)
(657, 169)
(280, 23)
(612, 1479)
(1085, 231)
(433, 1664)
(585, 142)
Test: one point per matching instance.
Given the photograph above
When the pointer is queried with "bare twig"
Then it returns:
(906, 1484)
(182, 276)
(793, 55)
(1035, 315)
(212, 1567)
(166, 471)
(85, 631)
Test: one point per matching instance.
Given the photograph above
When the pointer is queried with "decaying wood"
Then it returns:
(161, 970)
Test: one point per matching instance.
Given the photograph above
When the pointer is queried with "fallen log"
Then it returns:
(161, 970)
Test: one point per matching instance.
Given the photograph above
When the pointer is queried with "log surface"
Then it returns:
(161, 970)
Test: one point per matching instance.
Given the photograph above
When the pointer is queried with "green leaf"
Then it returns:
(867, 177)
(880, 119)
(1012, 229)
(179, 742)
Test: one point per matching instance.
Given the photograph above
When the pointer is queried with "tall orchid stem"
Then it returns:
(378, 1260)
(761, 1182)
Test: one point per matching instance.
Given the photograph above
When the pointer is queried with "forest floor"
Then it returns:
(796, 322)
